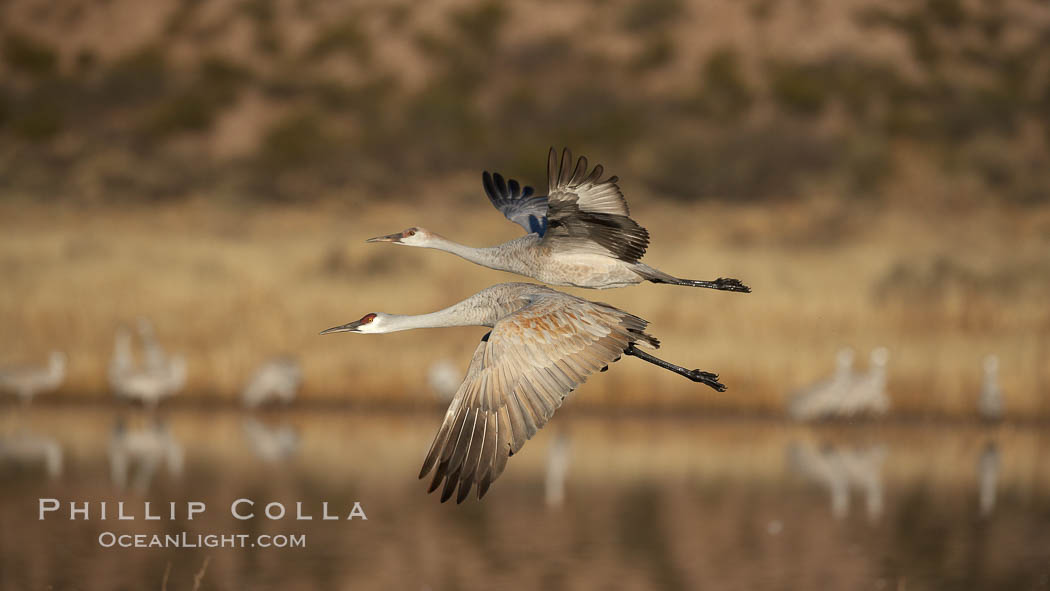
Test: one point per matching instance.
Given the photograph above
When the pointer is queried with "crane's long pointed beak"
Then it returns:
(352, 327)
(387, 238)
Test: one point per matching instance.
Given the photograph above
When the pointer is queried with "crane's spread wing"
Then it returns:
(520, 373)
(517, 203)
(587, 214)
(566, 183)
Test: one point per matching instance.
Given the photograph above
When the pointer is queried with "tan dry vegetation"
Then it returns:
(229, 288)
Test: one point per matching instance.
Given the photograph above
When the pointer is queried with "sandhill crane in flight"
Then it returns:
(541, 346)
(579, 235)
(28, 381)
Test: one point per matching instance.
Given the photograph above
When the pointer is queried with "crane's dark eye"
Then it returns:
(368, 318)
(411, 232)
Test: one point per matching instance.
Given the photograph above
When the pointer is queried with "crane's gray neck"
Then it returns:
(465, 313)
(485, 256)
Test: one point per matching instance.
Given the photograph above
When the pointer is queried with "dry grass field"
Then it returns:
(876, 171)
(229, 287)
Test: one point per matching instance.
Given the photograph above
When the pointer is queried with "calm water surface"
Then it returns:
(593, 502)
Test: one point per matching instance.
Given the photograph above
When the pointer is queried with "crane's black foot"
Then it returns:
(730, 284)
(706, 377)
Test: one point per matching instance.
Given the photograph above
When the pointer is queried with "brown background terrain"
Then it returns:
(876, 171)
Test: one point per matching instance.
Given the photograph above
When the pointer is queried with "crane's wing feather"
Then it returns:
(517, 378)
(587, 214)
(517, 203)
(574, 184)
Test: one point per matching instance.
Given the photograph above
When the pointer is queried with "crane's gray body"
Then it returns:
(28, 381)
(580, 267)
(277, 380)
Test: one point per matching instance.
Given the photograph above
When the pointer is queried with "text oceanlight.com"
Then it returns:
(108, 539)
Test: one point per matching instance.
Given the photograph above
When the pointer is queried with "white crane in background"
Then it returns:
(277, 380)
(30, 380)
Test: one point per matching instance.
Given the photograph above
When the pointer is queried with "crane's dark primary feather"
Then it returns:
(582, 212)
(621, 236)
(517, 203)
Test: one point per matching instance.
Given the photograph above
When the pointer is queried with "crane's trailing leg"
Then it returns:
(722, 283)
(704, 377)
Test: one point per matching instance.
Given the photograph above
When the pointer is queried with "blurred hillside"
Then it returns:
(947, 101)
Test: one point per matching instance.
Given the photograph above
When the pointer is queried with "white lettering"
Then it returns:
(73, 511)
(357, 511)
(47, 505)
(324, 510)
(193, 508)
(233, 509)
(279, 506)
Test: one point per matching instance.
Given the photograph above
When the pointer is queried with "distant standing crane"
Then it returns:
(846, 393)
(867, 393)
(543, 344)
(28, 381)
(823, 397)
(990, 401)
(154, 355)
(277, 380)
(159, 378)
(579, 235)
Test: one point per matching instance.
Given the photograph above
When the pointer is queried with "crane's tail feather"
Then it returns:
(636, 330)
